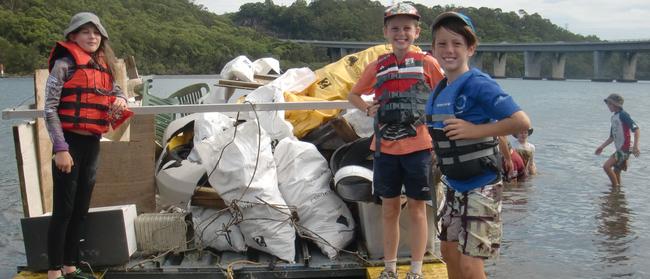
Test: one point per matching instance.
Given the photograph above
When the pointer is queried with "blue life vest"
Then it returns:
(458, 159)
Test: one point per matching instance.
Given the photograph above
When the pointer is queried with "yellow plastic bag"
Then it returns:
(333, 82)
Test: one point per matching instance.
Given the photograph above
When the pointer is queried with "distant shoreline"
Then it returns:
(17, 76)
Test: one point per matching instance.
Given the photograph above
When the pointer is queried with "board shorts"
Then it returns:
(621, 160)
(473, 219)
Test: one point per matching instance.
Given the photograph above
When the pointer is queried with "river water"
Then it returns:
(566, 222)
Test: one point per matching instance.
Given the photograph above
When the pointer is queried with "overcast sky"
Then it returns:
(607, 19)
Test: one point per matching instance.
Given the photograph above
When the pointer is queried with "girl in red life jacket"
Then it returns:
(82, 101)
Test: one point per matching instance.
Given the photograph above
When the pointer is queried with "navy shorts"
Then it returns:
(412, 170)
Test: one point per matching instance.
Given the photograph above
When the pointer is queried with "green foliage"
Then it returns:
(180, 37)
(165, 36)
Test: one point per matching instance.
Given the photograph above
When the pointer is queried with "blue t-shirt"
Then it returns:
(477, 98)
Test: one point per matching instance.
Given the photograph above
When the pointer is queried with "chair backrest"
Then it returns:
(162, 120)
(190, 94)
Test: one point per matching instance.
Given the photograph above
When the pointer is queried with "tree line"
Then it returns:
(181, 37)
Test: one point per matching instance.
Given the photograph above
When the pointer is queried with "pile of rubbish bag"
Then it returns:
(275, 184)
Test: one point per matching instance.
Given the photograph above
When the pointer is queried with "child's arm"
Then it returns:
(532, 168)
(58, 75)
(369, 109)
(457, 128)
(606, 143)
(120, 102)
(507, 159)
(363, 85)
(635, 148)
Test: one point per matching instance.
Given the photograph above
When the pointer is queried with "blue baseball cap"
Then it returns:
(458, 15)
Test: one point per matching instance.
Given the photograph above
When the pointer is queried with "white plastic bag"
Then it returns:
(304, 177)
(272, 121)
(216, 229)
(207, 126)
(265, 223)
(360, 122)
(240, 67)
(263, 66)
(294, 80)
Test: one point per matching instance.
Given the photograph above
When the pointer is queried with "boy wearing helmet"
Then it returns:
(619, 134)
(466, 148)
(401, 82)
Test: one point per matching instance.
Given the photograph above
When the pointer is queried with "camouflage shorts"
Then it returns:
(473, 219)
(621, 158)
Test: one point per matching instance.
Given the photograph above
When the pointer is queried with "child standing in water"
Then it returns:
(401, 82)
(619, 133)
(82, 101)
(468, 112)
(526, 150)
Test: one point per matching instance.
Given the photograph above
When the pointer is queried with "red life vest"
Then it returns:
(401, 89)
(85, 98)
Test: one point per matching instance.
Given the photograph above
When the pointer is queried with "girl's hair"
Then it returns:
(104, 52)
(457, 26)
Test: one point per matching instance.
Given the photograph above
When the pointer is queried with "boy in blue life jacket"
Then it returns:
(619, 134)
(467, 112)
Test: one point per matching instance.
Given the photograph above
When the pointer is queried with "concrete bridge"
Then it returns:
(534, 55)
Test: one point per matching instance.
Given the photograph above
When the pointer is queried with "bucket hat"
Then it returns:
(82, 18)
(614, 99)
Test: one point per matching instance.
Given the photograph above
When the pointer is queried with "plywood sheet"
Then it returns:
(126, 169)
(27, 162)
(43, 142)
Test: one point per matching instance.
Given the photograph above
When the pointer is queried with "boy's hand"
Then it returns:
(63, 161)
(509, 168)
(119, 104)
(456, 129)
(372, 109)
(636, 151)
(599, 150)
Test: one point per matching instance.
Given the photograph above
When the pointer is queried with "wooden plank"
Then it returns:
(131, 68)
(120, 76)
(238, 84)
(208, 197)
(264, 78)
(429, 270)
(27, 162)
(43, 142)
(125, 173)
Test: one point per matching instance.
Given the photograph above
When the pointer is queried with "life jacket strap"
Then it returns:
(72, 119)
(78, 90)
(71, 105)
(465, 142)
(467, 157)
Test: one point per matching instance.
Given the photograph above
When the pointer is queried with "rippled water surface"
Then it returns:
(566, 222)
